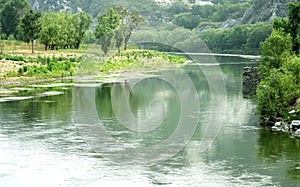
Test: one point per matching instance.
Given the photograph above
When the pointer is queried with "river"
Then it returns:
(43, 142)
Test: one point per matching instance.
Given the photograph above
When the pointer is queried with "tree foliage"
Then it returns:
(280, 67)
(30, 26)
(276, 93)
(294, 21)
(11, 12)
(239, 39)
(63, 29)
(191, 18)
(275, 50)
(117, 23)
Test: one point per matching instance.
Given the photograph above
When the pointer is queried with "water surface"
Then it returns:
(41, 145)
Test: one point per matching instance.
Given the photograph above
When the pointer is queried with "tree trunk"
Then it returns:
(32, 51)
(126, 41)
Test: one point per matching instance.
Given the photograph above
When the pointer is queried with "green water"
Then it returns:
(42, 144)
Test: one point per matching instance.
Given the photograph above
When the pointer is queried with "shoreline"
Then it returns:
(12, 81)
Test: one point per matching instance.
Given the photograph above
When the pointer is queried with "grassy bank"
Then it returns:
(19, 66)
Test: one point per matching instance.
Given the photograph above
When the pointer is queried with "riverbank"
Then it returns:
(22, 68)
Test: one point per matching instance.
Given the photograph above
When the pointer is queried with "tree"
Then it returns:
(85, 21)
(120, 21)
(30, 26)
(276, 93)
(257, 36)
(132, 21)
(119, 37)
(48, 33)
(177, 7)
(293, 66)
(276, 47)
(281, 23)
(107, 23)
(63, 29)
(10, 15)
(294, 21)
(187, 20)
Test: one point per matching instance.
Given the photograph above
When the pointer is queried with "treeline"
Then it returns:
(60, 30)
(63, 29)
(53, 29)
(241, 39)
(280, 69)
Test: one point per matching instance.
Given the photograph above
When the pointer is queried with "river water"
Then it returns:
(43, 144)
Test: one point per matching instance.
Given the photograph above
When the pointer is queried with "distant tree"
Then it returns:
(10, 15)
(63, 29)
(89, 37)
(119, 37)
(84, 23)
(107, 23)
(48, 32)
(177, 7)
(132, 21)
(30, 26)
(120, 21)
(187, 20)
(257, 35)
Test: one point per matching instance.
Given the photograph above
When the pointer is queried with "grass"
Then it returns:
(141, 60)
(17, 61)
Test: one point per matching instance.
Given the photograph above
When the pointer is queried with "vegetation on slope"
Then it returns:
(279, 91)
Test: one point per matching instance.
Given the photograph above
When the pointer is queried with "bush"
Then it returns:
(25, 69)
(21, 71)
(276, 93)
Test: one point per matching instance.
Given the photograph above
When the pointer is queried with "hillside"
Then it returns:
(94, 7)
(260, 11)
(266, 11)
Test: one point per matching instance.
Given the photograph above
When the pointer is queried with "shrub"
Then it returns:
(276, 93)
(21, 71)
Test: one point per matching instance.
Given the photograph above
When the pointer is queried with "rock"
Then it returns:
(251, 80)
(265, 11)
(229, 23)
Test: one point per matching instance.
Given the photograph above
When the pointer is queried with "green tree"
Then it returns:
(276, 49)
(119, 37)
(281, 23)
(293, 66)
(30, 26)
(187, 20)
(132, 21)
(49, 32)
(10, 15)
(83, 24)
(276, 93)
(177, 7)
(63, 29)
(257, 35)
(107, 23)
(294, 21)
